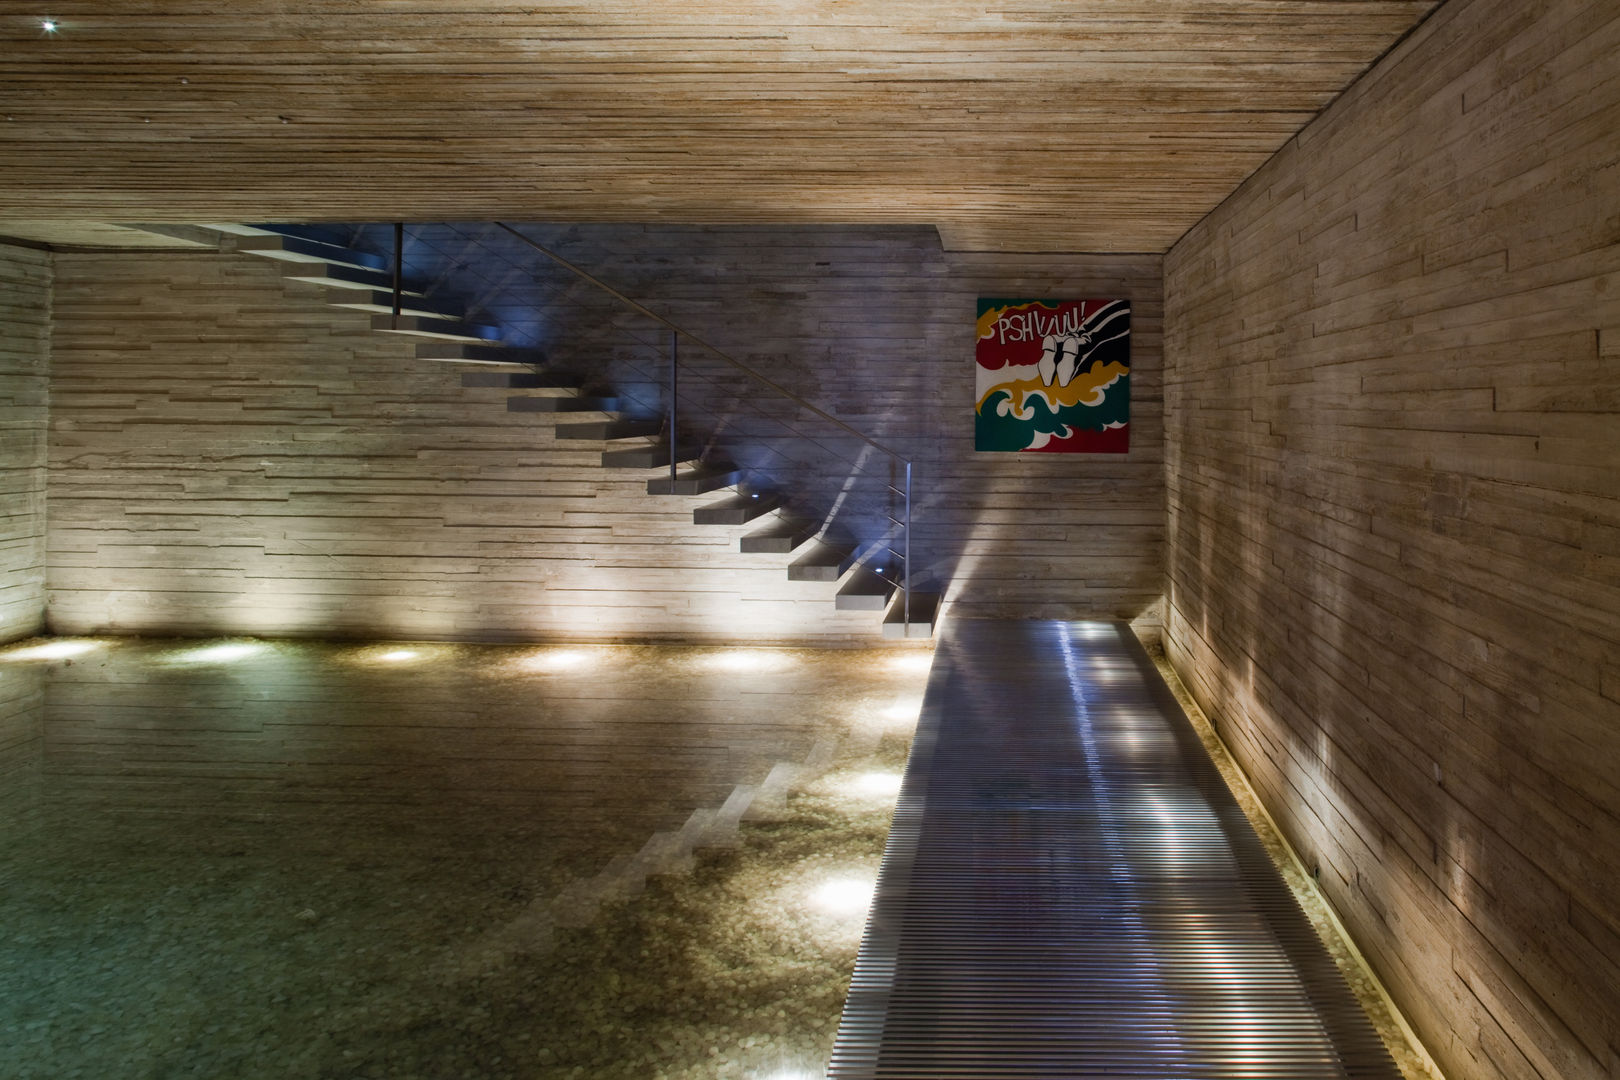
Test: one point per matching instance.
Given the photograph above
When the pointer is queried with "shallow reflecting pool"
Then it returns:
(270, 859)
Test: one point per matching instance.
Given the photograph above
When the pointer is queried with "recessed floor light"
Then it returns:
(220, 654)
(846, 896)
(51, 650)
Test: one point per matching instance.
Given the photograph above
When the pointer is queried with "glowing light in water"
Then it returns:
(220, 654)
(877, 784)
(557, 660)
(844, 896)
(904, 709)
(52, 650)
(747, 660)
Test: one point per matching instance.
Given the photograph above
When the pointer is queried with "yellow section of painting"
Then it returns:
(1084, 389)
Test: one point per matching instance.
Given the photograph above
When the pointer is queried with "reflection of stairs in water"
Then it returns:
(362, 281)
(670, 852)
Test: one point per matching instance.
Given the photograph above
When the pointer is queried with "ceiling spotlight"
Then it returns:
(48, 25)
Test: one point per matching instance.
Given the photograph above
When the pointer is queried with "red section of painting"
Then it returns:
(1107, 441)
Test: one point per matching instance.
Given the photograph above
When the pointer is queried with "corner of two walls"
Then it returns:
(25, 327)
(1393, 467)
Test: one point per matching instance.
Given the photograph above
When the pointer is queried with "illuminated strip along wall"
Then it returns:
(228, 455)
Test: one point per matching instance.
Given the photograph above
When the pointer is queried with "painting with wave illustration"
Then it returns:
(1053, 376)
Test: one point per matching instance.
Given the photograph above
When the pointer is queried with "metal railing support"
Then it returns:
(674, 386)
(905, 584)
(399, 268)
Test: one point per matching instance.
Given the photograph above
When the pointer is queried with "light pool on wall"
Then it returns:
(1053, 376)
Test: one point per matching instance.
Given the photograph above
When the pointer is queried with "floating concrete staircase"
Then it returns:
(827, 561)
(781, 535)
(608, 430)
(480, 353)
(363, 281)
(562, 404)
(697, 480)
(439, 329)
(738, 509)
(868, 588)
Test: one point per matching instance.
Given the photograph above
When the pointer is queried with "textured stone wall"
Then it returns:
(25, 319)
(1393, 466)
(228, 454)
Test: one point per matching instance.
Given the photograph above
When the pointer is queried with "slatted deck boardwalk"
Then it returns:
(1070, 890)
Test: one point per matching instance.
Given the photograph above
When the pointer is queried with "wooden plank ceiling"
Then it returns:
(1044, 125)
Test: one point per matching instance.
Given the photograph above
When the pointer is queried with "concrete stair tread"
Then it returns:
(204, 236)
(319, 234)
(382, 303)
(443, 329)
(867, 589)
(924, 612)
(780, 536)
(696, 481)
(738, 509)
(521, 380)
(650, 456)
(296, 249)
(478, 352)
(606, 430)
(574, 403)
(824, 562)
(351, 278)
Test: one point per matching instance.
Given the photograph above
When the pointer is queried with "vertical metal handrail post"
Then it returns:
(906, 600)
(399, 268)
(674, 374)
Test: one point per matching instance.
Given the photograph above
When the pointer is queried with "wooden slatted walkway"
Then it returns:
(1070, 890)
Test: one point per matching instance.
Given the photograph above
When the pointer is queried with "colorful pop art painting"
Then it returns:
(1053, 376)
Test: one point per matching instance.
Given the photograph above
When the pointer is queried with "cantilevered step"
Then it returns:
(780, 536)
(738, 509)
(443, 329)
(383, 303)
(522, 380)
(200, 235)
(696, 481)
(319, 234)
(824, 562)
(296, 249)
(868, 588)
(651, 456)
(471, 352)
(578, 403)
(924, 610)
(353, 278)
(602, 430)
